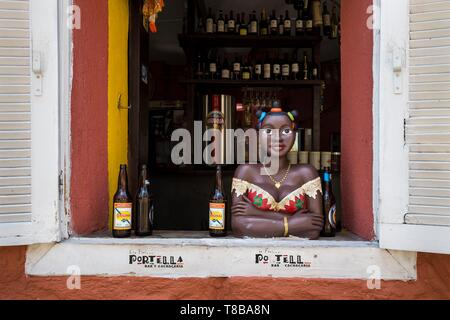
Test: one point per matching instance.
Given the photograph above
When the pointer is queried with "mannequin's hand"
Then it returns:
(242, 208)
(306, 225)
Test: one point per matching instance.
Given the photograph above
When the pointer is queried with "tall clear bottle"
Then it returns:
(144, 207)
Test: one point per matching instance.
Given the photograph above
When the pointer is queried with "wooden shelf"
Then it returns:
(250, 41)
(256, 83)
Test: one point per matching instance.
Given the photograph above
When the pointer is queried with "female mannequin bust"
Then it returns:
(280, 205)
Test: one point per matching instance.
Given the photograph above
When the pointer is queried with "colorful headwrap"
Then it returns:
(292, 115)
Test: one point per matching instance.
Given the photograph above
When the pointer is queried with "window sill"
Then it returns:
(343, 257)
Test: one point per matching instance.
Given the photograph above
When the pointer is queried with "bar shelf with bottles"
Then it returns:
(282, 51)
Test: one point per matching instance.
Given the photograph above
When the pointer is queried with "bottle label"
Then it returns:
(315, 72)
(299, 24)
(258, 69)
(309, 24)
(122, 216)
(286, 70)
(281, 29)
(231, 24)
(217, 216)
(220, 26)
(246, 75)
(287, 24)
(267, 71)
(273, 24)
(243, 31)
(295, 67)
(226, 74)
(264, 31)
(276, 69)
(327, 20)
(237, 67)
(212, 67)
(254, 27)
(209, 25)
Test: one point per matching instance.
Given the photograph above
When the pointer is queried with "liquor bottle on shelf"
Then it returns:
(299, 27)
(281, 26)
(246, 73)
(267, 68)
(334, 23)
(199, 69)
(209, 22)
(276, 69)
(307, 19)
(226, 72)
(253, 29)
(305, 67)
(218, 208)
(243, 28)
(214, 23)
(258, 70)
(317, 14)
(213, 69)
(200, 25)
(123, 207)
(236, 69)
(273, 24)
(238, 23)
(314, 71)
(285, 68)
(295, 67)
(220, 23)
(226, 23)
(144, 207)
(231, 23)
(329, 207)
(326, 20)
(287, 24)
(263, 24)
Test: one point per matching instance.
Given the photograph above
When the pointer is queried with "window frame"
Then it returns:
(44, 226)
(393, 182)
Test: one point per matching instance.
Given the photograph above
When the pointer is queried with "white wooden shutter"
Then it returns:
(28, 122)
(423, 190)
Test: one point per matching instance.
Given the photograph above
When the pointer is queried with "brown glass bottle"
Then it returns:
(144, 207)
(218, 208)
(122, 207)
(329, 207)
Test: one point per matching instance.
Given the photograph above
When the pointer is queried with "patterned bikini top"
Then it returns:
(264, 201)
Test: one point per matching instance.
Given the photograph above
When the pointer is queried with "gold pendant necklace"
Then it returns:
(278, 184)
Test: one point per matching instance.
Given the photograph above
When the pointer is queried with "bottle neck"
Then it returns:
(143, 178)
(219, 187)
(123, 180)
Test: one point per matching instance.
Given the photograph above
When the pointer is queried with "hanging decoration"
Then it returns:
(150, 12)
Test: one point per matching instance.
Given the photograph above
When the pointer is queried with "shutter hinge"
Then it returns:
(404, 132)
(61, 184)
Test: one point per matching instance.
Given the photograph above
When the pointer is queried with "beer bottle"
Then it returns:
(144, 208)
(122, 207)
(329, 207)
(218, 208)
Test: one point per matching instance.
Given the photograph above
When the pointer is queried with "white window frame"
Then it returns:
(44, 226)
(206, 257)
(393, 164)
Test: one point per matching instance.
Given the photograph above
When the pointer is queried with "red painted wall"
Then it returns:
(357, 129)
(433, 283)
(89, 184)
